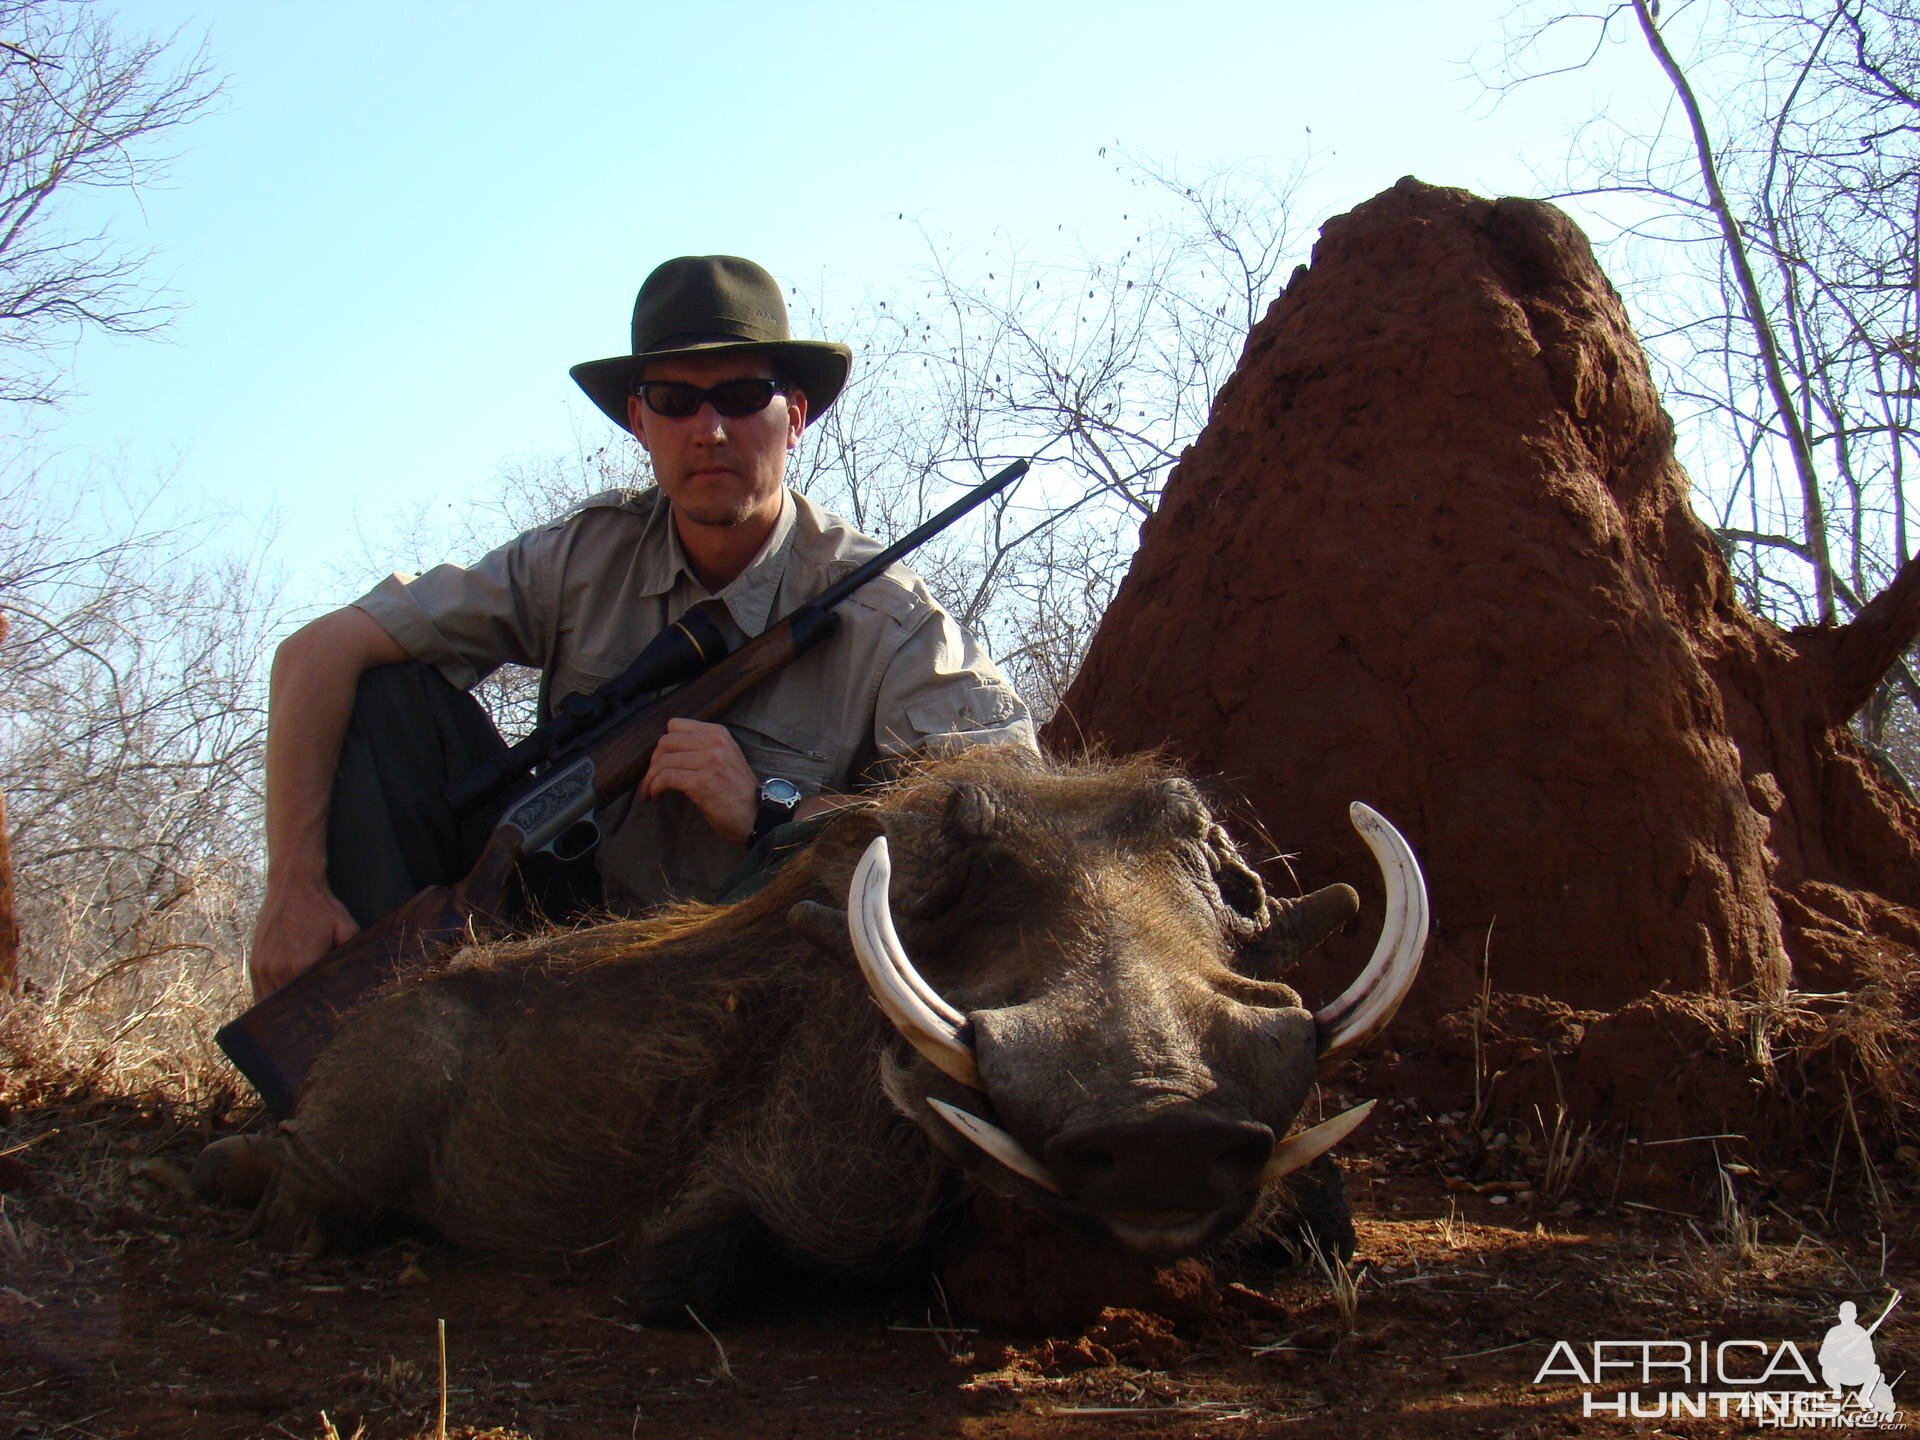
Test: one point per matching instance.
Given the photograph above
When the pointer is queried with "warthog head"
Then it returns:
(1086, 970)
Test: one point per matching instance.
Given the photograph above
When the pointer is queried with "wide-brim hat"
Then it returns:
(713, 305)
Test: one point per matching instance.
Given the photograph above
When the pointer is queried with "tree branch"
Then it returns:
(1869, 645)
(1812, 506)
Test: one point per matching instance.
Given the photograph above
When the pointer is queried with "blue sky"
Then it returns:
(408, 220)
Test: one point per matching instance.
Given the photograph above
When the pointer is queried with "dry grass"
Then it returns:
(127, 969)
(1739, 1230)
(1565, 1160)
(1343, 1287)
(1841, 1084)
(1482, 1007)
(142, 1028)
(722, 1367)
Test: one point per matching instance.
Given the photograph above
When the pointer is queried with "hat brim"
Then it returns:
(818, 367)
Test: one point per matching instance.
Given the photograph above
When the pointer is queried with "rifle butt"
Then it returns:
(273, 1043)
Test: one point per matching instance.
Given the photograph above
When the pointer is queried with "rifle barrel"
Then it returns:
(1884, 1313)
(917, 536)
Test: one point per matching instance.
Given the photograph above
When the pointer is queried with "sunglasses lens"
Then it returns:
(742, 397)
(672, 398)
(677, 400)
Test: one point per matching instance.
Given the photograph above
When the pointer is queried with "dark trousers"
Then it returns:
(391, 832)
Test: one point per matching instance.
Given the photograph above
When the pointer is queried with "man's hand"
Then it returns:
(297, 925)
(703, 762)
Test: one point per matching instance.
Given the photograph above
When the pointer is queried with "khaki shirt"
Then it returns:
(580, 598)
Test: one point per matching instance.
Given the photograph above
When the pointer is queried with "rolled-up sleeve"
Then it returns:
(468, 620)
(941, 693)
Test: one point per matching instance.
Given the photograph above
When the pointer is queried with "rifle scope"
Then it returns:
(690, 645)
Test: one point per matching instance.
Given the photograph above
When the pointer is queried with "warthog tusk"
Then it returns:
(1364, 1007)
(1309, 1145)
(929, 1024)
(997, 1143)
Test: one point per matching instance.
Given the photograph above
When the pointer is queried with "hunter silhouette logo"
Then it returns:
(1846, 1360)
(1767, 1382)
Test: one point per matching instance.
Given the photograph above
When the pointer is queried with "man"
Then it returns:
(717, 393)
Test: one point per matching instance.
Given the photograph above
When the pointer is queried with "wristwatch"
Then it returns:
(778, 800)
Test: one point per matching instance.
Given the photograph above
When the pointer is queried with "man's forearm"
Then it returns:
(315, 674)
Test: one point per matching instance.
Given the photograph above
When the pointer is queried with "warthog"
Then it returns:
(1089, 1024)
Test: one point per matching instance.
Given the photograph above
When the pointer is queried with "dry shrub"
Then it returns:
(1864, 1038)
(131, 729)
(139, 1031)
(1844, 1084)
(123, 999)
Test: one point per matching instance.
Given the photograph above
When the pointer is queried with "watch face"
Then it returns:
(780, 792)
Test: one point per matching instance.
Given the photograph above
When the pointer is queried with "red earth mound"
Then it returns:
(1434, 551)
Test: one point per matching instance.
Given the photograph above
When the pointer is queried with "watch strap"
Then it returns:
(772, 813)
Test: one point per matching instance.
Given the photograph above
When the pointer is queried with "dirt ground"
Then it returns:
(126, 1310)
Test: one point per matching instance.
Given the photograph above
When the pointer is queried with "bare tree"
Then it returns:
(9, 921)
(1102, 365)
(120, 788)
(1767, 234)
(132, 723)
(82, 109)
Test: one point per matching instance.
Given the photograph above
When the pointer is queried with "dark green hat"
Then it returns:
(713, 305)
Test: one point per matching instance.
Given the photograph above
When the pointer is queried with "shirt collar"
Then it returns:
(749, 598)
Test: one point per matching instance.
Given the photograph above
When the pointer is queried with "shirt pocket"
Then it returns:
(973, 714)
(776, 750)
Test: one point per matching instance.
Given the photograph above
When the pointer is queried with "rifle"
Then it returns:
(594, 751)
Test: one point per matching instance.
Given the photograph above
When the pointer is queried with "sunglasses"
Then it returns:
(678, 400)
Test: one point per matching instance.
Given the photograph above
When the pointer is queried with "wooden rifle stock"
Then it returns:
(275, 1041)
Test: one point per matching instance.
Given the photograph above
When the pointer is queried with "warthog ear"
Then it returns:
(822, 926)
(1297, 928)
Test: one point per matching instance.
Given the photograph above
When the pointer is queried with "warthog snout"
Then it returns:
(1182, 1160)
